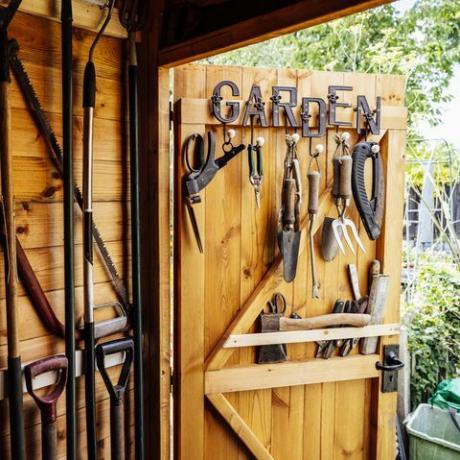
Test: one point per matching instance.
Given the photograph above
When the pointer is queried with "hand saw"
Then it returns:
(56, 156)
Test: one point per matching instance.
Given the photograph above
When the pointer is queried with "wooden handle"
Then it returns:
(319, 322)
(313, 191)
(336, 183)
(289, 202)
(345, 177)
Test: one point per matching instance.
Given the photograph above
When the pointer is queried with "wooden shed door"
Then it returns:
(227, 406)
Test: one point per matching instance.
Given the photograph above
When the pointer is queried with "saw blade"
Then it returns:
(56, 157)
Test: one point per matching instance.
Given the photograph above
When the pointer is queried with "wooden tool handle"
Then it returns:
(336, 182)
(345, 177)
(289, 202)
(313, 191)
(319, 322)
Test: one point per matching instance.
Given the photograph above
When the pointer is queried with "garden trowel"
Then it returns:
(289, 219)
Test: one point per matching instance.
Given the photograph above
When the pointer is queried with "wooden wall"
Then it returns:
(38, 191)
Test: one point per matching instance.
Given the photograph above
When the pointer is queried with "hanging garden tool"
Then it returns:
(56, 155)
(89, 102)
(314, 179)
(333, 230)
(256, 172)
(201, 170)
(117, 391)
(69, 239)
(10, 258)
(133, 17)
(289, 216)
(370, 209)
(47, 404)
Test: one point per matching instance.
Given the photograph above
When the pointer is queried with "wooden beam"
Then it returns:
(86, 16)
(305, 13)
(272, 338)
(154, 162)
(292, 373)
(239, 426)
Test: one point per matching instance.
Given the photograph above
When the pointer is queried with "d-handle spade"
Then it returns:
(47, 404)
(117, 391)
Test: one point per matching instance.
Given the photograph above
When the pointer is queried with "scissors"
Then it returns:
(201, 169)
(277, 304)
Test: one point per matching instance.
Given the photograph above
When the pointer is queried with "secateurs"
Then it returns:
(201, 170)
(289, 216)
(342, 193)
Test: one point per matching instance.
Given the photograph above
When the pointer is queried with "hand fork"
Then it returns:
(342, 194)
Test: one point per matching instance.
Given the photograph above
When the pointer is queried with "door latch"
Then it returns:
(390, 367)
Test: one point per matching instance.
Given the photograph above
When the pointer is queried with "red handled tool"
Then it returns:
(47, 404)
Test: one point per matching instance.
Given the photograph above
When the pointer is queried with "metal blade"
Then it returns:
(56, 157)
(289, 243)
(350, 223)
(347, 238)
(335, 226)
(196, 229)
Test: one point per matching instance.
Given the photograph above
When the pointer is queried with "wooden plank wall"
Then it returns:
(38, 192)
(328, 420)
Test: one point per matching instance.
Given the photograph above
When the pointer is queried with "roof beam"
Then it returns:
(305, 13)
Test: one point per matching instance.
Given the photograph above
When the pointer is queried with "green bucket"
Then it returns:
(433, 434)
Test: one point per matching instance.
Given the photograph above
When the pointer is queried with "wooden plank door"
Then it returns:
(226, 406)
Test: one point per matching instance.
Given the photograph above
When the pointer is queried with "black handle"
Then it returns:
(366, 208)
(109, 348)
(393, 363)
(89, 85)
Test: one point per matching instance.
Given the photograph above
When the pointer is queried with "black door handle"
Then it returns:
(392, 363)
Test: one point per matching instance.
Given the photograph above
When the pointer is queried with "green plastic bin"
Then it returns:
(433, 434)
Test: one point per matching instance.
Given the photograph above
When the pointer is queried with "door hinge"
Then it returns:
(171, 380)
(171, 116)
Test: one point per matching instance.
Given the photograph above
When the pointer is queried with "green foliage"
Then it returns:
(433, 322)
(422, 43)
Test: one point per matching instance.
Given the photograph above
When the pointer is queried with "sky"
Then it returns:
(449, 129)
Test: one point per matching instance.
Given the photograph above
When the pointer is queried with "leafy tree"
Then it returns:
(422, 43)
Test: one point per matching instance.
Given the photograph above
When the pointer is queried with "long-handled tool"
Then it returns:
(56, 156)
(314, 178)
(117, 391)
(10, 259)
(326, 347)
(47, 404)
(289, 216)
(69, 240)
(89, 101)
(133, 17)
